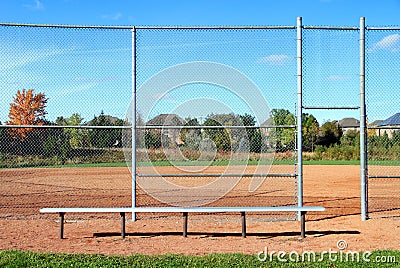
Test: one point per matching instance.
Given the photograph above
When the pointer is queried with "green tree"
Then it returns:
(191, 137)
(57, 144)
(310, 132)
(220, 136)
(253, 134)
(285, 137)
(152, 139)
(105, 138)
(331, 132)
(78, 137)
(61, 121)
(4, 140)
(351, 138)
(140, 142)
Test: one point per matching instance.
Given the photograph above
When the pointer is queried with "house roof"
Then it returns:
(376, 122)
(349, 122)
(393, 120)
(268, 122)
(166, 120)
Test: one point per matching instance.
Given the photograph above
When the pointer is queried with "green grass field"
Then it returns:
(16, 258)
(225, 163)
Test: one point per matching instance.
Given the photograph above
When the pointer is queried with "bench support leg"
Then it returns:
(61, 233)
(185, 223)
(122, 224)
(303, 223)
(243, 214)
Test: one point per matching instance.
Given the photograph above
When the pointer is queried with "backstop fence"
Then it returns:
(194, 116)
(382, 90)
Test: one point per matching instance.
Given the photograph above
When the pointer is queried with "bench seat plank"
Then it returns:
(184, 210)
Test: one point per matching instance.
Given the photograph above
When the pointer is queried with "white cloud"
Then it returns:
(16, 59)
(95, 80)
(67, 90)
(115, 16)
(338, 77)
(36, 5)
(276, 59)
(390, 42)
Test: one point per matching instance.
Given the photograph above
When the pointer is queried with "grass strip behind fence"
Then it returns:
(217, 163)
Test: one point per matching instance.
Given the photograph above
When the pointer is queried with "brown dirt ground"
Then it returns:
(23, 192)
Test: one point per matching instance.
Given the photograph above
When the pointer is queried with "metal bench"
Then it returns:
(185, 211)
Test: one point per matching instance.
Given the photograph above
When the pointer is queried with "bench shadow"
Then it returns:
(230, 234)
(330, 217)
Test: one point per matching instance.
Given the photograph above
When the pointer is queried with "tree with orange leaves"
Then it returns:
(26, 109)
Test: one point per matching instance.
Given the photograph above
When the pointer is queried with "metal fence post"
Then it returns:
(299, 115)
(133, 153)
(363, 120)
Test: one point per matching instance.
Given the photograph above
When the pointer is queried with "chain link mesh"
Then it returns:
(331, 72)
(190, 83)
(201, 114)
(382, 87)
(74, 154)
(85, 75)
(331, 99)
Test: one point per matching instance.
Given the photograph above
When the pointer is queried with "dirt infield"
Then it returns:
(23, 192)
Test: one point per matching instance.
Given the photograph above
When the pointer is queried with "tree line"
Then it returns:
(62, 144)
(323, 141)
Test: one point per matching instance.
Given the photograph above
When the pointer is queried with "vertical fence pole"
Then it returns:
(363, 130)
(133, 135)
(299, 115)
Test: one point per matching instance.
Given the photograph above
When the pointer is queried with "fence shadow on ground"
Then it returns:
(229, 234)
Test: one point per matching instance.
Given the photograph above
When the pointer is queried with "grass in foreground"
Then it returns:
(16, 258)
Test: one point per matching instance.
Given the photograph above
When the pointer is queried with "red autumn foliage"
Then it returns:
(26, 109)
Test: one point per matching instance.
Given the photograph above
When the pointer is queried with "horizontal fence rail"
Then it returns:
(200, 175)
(147, 127)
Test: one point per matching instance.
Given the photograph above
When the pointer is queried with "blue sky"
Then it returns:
(61, 67)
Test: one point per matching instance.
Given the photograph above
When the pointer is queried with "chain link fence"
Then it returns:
(73, 151)
(214, 109)
(331, 100)
(383, 85)
(73, 85)
(206, 99)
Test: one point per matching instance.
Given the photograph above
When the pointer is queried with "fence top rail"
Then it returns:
(341, 28)
(150, 27)
(199, 27)
(386, 28)
(216, 27)
(114, 27)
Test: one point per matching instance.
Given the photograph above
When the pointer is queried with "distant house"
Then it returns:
(390, 125)
(375, 124)
(166, 120)
(265, 126)
(349, 123)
